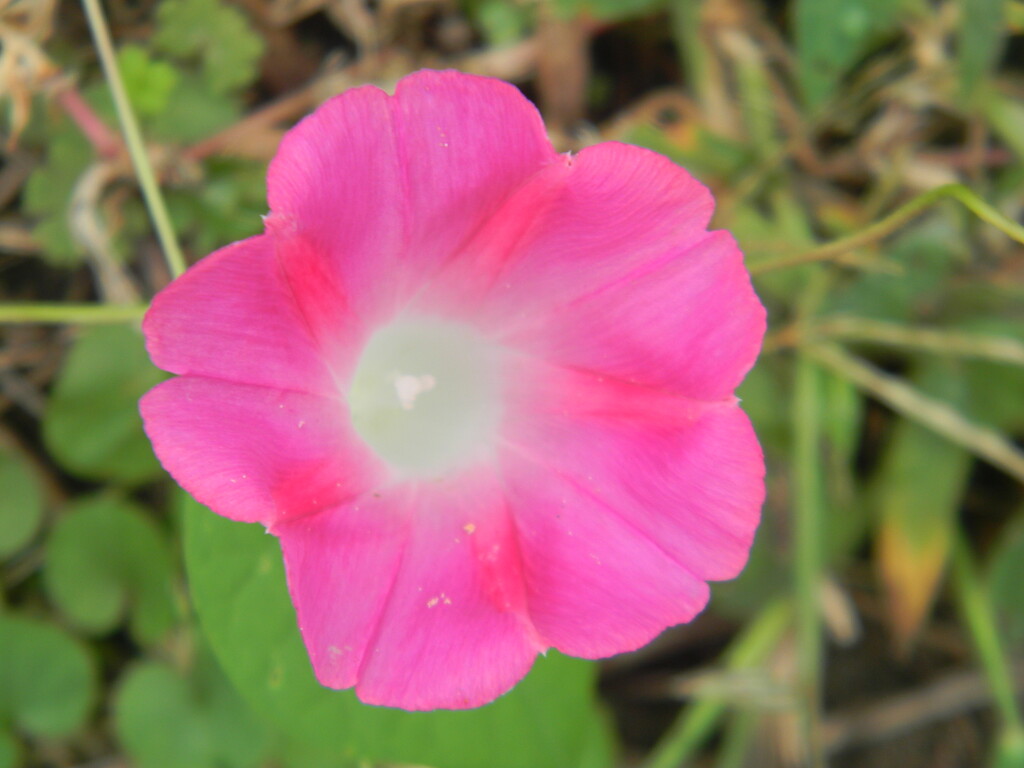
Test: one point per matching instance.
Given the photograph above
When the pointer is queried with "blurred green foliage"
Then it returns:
(91, 425)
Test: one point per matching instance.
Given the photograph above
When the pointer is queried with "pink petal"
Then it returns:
(341, 566)
(417, 174)
(257, 454)
(232, 316)
(686, 475)
(595, 585)
(454, 633)
(583, 223)
(690, 324)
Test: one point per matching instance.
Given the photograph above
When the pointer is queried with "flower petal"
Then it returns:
(582, 223)
(454, 633)
(690, 324)
(418, 173)
(257, 454)
(341, 565)
(231, 316)
(595, 585)
(686, 475)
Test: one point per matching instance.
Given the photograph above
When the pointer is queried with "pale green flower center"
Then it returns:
(424, 396)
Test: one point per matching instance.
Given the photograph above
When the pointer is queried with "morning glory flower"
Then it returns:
(482, 392)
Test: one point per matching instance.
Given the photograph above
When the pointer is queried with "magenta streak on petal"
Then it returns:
(229, 318)
(257, 454)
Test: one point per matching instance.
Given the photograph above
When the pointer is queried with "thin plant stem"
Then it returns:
(808, 500)
(1000, 349)
(978, 616)
(698, 720)
(133, 138)
(936, 415)
(808, 524)
(737, 740)
(893, 222)
(71, 314)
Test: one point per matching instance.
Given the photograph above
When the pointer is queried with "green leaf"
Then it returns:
(995, 388)
(238, 587)
(166, 720)
(928, 253)
(919, 488)
(47, 195)
(608, 10)
(502, 22)
(228, 206)
(46, 678)
(9, 750)
(92, 425)
(104, 560)
(196, 111)
(1005, 577)
(21, 503)
(980, 36)
(832, 35)
(217, 34)
(846, 524)
(149, 83)
(1006, 116)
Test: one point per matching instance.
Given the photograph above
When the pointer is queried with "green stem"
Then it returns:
(808, 493)
(133, 138)
(808, 523)
(980, 621)
(72, 314)
(927, 411)
(1000, 349)
(893, 222)
(697, 721)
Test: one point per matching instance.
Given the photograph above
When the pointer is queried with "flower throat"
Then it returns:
(424, 396)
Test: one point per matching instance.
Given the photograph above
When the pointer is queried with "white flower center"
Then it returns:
(424, 396)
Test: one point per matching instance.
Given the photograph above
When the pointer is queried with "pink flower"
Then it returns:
(482, 392)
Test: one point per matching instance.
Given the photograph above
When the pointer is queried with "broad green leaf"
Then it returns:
(167, 720)
(9, 751)
(832, 35)
(46, 678)
(149, 82)
(239, 591)
(980, 35)
(106, 561)
(92, 425)
(21, 502)
(918, 490)
(217, 34)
